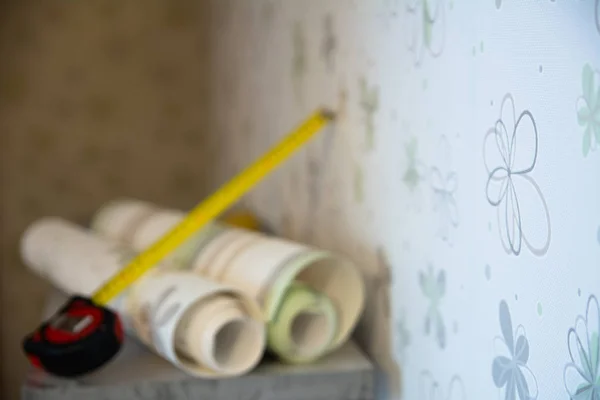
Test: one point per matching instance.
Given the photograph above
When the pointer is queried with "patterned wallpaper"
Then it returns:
(98, 99)
(463, 174)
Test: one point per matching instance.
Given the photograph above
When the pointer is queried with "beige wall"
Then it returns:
(163, 101)
(97, 99)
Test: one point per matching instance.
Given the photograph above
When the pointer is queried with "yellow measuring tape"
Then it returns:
(212, 207)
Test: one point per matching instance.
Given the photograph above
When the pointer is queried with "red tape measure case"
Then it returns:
(78, 339)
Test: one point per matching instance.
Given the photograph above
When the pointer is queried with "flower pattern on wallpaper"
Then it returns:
(414, 175)
(402, 337)
(431, 389)
(597, 13)
(588, 109)
(380, 284)
(426, 28)
(318, 164)
(329, 42)
(151, 316)
(314, 189)
(415, 171)
(433, 287)
(582, 373)
(299, 63)
(510, 155)
(388, 12)
(369, 103)
(509, 369)
(444, 183)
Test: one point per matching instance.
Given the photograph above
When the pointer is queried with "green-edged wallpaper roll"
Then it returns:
(311, 298)
(304, 326)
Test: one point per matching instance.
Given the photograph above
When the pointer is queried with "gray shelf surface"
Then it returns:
(137, 373)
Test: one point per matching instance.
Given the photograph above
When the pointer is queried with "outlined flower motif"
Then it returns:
(509, 368)
(588, 109)
(434, 288)
(369, 103)
(427, 19)
(510, 152)
(582, 374)
(431, 389)
(444, 183)
(402, 338)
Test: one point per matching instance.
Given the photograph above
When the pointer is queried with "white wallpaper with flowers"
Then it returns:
(463, 174)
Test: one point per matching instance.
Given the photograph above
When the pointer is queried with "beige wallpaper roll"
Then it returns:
(264, 267)
(201, 326)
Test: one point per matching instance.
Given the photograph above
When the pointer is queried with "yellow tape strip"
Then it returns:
(212, 207)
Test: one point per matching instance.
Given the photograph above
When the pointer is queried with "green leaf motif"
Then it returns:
(427, 24)
(588, 113)
(595, 353)
(411, 177)
(583, 115)
(583, 392)
(299, 62)
(299, 51)
(587, 141)
(369, 102)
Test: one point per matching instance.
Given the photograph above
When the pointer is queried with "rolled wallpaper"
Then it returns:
(311, 298)
(203, 327)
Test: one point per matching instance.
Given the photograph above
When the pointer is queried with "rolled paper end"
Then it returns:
(309, 331)
(35, 243)
(114, 218)
(341, 282)
(304, 327)
(202, 327)
(68, 256)
(219, 334)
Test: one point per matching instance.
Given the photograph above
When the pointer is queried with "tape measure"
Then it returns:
(84, 334)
